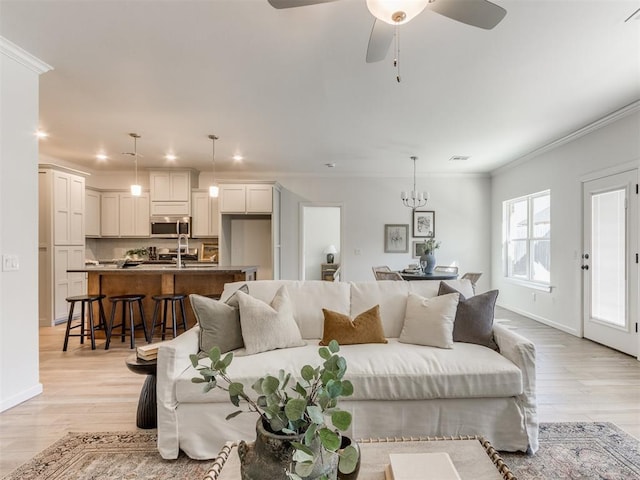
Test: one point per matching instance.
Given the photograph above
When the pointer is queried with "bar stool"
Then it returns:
(127, 302)
(165, 300)
(85, 300)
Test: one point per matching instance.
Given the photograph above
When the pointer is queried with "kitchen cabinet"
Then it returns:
(204, 215)
(171, 191)
(92, 213)
(251, 238)
(246, 198)
(61, 238)
(124, 215)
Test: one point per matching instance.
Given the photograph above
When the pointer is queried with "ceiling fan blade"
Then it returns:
(295, 3)
(379, 41)
(477, 13)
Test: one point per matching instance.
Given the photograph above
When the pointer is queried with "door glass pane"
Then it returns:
(608, 234)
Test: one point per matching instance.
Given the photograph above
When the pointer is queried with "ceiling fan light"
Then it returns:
(396, 12)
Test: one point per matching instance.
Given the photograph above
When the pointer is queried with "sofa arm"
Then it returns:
(173, 360)
(522, 352)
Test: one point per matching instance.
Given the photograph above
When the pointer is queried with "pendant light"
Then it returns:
(213, 189)
(414, 199)
(136, 188)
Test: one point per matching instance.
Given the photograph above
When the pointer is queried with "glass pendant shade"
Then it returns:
(396, 12)
(214, 191)
(136, 190)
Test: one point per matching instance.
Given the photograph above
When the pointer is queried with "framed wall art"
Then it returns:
(424, 223)
(396, 238)
(418, 249)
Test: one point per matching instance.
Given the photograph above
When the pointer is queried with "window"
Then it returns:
(527, 223)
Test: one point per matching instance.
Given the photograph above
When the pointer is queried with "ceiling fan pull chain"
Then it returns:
(396, 60)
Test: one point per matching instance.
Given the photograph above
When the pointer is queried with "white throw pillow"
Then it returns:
(268, 327)
(429, 321)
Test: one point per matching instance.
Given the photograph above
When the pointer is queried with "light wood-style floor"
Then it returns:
(87, 390)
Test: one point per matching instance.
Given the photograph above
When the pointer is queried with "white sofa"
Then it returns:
(399, 389)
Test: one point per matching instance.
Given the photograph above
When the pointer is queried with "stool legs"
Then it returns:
(164, 317)
(86, 301)
(127, 305)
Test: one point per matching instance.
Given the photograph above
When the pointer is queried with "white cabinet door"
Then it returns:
(142, 209)
(160, 184)
(180, 186)
(76, 208)
(134, 215)
(92, 213)
(233, 199)
(259, 198)
(68, 209)
(110, 214)
(67, 284)
(170, 186)
(204, 215)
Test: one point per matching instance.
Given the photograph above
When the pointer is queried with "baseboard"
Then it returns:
(543, 320)
(8, 403)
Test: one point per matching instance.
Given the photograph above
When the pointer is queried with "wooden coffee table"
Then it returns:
(473, 457)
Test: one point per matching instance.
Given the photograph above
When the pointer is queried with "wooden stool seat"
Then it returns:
(165, 300)
(127, 302)
(85, 301)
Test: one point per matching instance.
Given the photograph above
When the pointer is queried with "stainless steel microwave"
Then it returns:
(170, 226)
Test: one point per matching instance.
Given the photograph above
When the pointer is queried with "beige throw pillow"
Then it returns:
(429, 321)
(268, 326)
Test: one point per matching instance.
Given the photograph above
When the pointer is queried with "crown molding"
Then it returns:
(23, 57)
(633, 107)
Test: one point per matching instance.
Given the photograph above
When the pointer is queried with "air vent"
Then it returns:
(459, 158)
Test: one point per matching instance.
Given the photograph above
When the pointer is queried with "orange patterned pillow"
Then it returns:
(365, 328)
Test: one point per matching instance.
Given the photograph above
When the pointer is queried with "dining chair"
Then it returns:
(473, 278)
(384, 273)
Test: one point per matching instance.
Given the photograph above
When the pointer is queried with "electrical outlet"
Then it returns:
(10, 263)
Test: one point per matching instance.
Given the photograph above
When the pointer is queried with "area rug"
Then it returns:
(579, 451)
(576, 451)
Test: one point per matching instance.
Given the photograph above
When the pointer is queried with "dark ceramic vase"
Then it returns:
(428, 262)
(270, 456)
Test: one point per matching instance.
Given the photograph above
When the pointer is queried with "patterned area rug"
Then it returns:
(579, 451)
(576, 451)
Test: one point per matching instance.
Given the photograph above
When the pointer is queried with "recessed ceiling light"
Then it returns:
(171, 157)
(459, 158)
(237, 157)
(101, 156)
(41, 134)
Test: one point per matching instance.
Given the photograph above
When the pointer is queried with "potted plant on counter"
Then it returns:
(298, 433)
(136, 253)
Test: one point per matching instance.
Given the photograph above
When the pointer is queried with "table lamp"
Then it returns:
(330, 251)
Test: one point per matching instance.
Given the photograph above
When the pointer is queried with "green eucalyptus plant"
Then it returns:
(430, 245)
(307, 408)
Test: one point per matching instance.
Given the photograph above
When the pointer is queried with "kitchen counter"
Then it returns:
(150, 279)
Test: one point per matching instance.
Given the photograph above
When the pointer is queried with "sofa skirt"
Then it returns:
(201, 432)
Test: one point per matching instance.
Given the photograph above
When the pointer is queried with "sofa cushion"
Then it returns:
(308, 298)
(268, 326)
(394, 371)
(365, 328)
(429, 321)
(390, 295)
(219, 322)
(474, 318)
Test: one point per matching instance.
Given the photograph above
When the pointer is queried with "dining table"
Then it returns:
(428, 276)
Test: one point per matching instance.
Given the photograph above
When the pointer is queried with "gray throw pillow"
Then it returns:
(474, 317)
(219, 322)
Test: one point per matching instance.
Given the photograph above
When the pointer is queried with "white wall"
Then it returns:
(560, 170)
(462, 219)
(19, 376)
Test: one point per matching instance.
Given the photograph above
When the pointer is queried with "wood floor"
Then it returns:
(87, 390)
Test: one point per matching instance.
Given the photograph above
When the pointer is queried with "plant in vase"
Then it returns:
(428, 258)
(136, 253)
(305, 412)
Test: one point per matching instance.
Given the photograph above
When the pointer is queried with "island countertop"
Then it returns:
(151, 279)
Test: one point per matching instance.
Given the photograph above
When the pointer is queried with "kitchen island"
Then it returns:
(200, 278)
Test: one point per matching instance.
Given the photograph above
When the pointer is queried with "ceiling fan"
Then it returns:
(391, 13)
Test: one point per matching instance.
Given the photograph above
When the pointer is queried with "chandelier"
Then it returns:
(213, 189)
(414, 199)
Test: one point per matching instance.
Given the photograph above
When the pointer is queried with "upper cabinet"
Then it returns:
(124, 215)
(62, 199)
(171, 191)
(92, 213)
(246, 198)
(204, 215)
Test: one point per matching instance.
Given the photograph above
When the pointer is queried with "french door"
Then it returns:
(609, 261)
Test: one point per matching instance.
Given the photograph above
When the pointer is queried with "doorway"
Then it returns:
(320, 229)
(609, 261)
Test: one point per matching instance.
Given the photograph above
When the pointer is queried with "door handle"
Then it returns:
(585, 267)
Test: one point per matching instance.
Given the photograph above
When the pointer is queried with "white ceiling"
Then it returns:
(290, 89)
